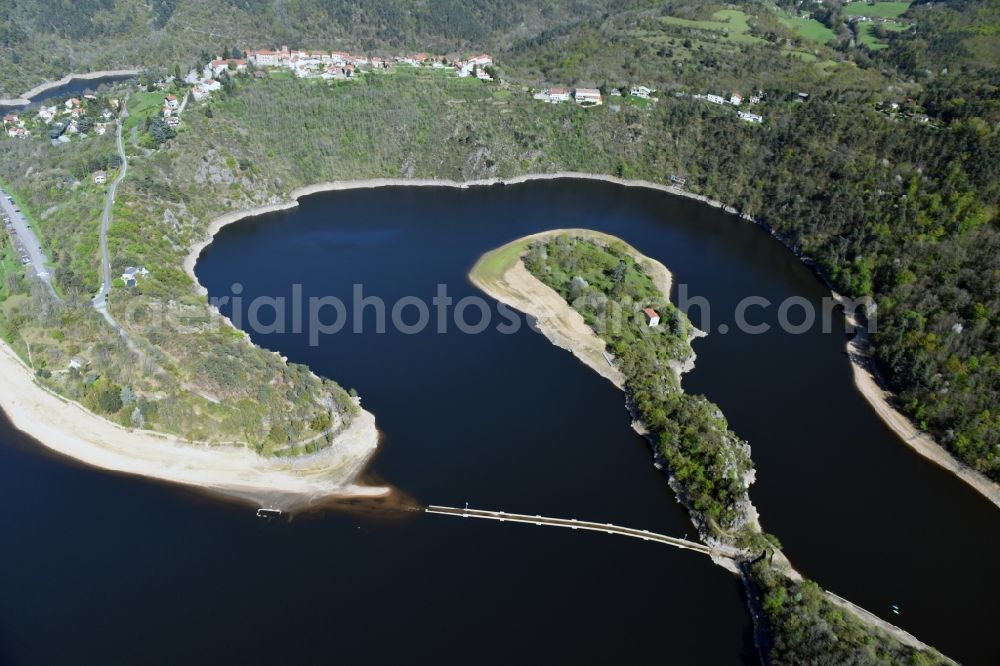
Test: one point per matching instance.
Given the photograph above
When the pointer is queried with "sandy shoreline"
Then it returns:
(26, 96)
(333, 186)
(67, 428)
(871, 385)
(866, 384)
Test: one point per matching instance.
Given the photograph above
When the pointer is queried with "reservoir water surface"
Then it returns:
(104, 568)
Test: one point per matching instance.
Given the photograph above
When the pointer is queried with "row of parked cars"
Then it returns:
(13, 235)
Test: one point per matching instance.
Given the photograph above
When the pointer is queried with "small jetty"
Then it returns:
(268, 514)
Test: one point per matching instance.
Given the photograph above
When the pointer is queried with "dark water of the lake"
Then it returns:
(71, 87)
(100, 568)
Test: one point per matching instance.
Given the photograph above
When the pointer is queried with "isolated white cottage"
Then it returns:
(132, 274)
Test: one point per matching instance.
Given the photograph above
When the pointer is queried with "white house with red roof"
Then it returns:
(218, 66)
(652, 317)
(268, 58)
(556, 95)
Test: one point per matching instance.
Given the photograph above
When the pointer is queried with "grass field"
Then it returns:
(492, 265)
(732, 23)
(878, 10)
(810, 29)
(142, 105)
(866, 35)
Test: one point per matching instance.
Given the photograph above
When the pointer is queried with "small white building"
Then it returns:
(652, 318)
(736, 99)
(218, 66)
(132, 274)
(587, 96)
(171, 101)
(640, 91)
(100, 177)
(715, 99)
(558, 95)
(751, 117)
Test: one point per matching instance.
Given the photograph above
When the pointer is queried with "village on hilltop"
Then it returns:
(91, 114)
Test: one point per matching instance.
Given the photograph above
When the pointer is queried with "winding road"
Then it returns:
(101, 300)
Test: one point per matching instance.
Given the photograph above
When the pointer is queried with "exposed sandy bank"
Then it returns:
(564, 327)
(71, 430)
(871, 385)
(333, 186)
(25, 97)
(556, 319)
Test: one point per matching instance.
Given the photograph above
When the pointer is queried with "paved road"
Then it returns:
(101, 300)
(26, 243)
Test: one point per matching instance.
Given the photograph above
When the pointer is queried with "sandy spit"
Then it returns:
(25, 97)
(563, 326)
(67, 428)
